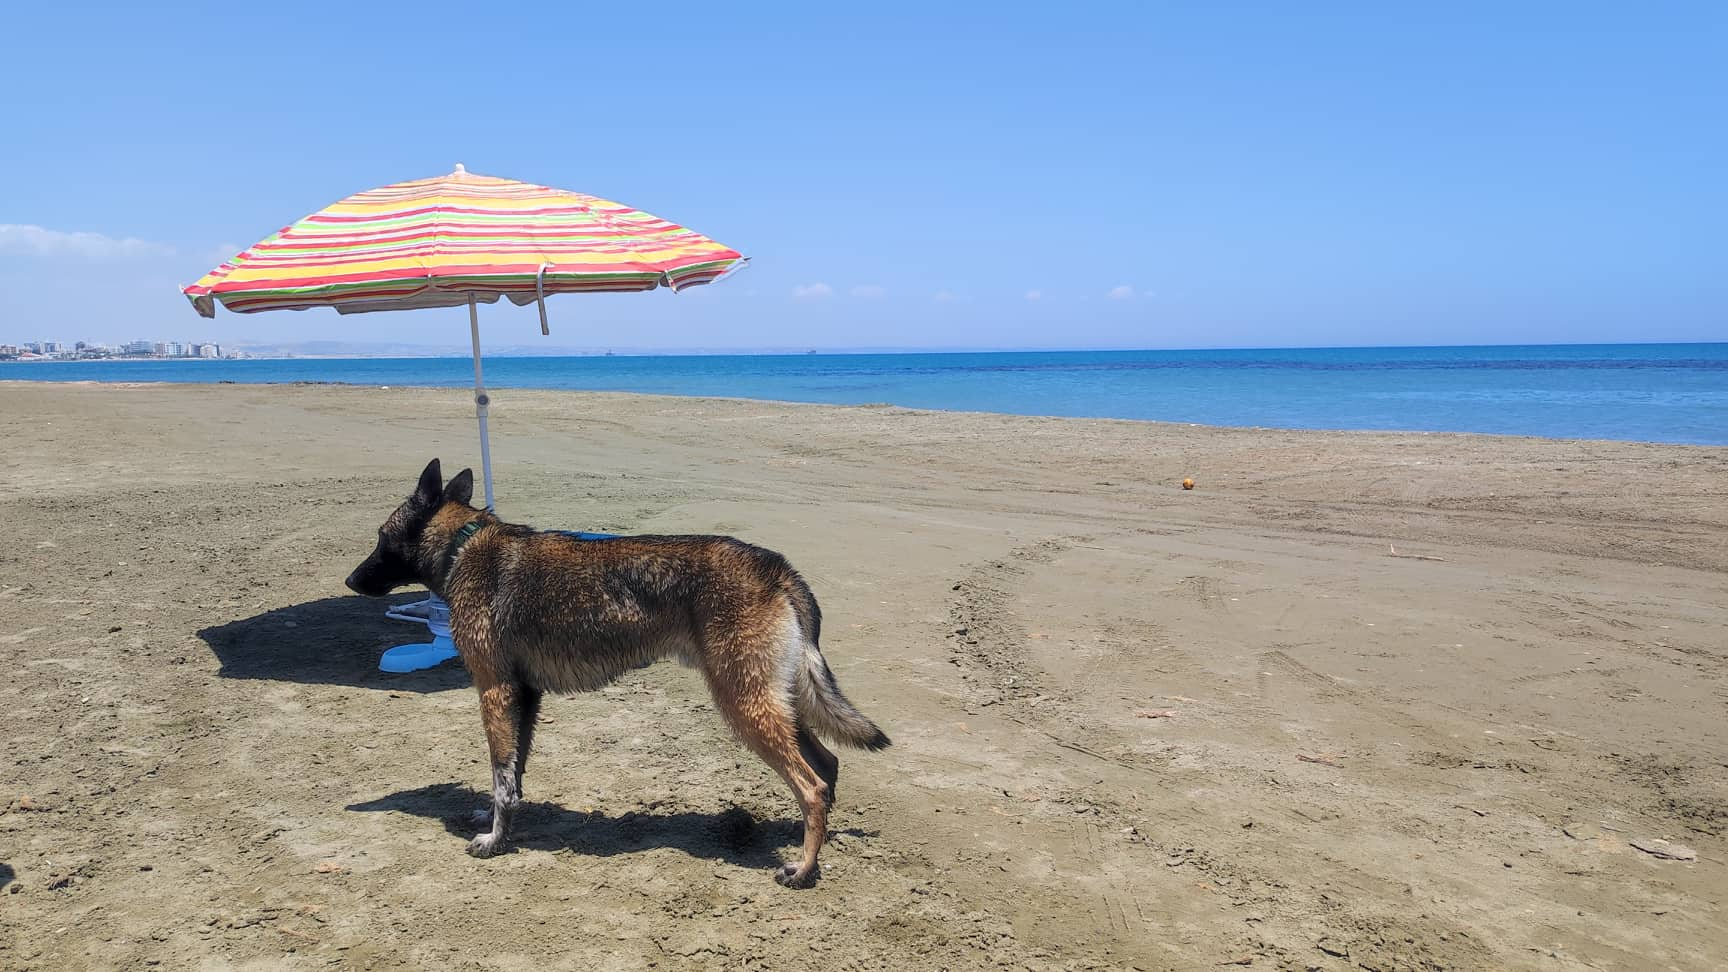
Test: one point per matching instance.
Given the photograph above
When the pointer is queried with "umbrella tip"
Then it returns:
(461, 169)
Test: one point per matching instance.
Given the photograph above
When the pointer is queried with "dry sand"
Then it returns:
(1358, 700)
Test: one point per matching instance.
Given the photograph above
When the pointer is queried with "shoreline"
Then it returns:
(875, 406)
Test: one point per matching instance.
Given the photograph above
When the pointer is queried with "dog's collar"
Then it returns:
(456, 542)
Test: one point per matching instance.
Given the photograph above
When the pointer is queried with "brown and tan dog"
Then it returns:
(534, 612)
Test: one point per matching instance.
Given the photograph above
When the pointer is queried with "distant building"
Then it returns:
(53, 347)
(10, 350)
(139, 347)
(209, 351)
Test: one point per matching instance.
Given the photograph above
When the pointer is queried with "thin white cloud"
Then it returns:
(1123, 292)
(1034, 295)
(40, 241)
(944, 296)
(221, 253)
(815, 291)
(869, 291)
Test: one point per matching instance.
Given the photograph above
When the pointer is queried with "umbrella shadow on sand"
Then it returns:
(6, 875)
(733, 835)
(331, 641)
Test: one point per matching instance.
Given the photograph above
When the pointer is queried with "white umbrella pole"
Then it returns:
(414, 657)
(480, 401)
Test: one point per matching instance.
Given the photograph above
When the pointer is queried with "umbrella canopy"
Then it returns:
(445, 241)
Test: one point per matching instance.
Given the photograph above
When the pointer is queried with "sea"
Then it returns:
(1676, 393)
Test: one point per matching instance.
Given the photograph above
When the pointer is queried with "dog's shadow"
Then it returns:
(332, 641)
(733, 835)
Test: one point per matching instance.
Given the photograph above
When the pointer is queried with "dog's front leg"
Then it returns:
(498, 713)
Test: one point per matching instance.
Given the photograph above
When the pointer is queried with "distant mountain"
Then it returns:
(351, 349)
(383, 349)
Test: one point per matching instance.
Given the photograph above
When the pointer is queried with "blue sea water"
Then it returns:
(1650, 392)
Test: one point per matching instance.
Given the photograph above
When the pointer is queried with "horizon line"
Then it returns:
(455, 351)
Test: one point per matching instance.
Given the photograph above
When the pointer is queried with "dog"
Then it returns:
(533, 612)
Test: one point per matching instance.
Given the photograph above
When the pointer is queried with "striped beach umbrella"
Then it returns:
(461, 239)
(457, 239)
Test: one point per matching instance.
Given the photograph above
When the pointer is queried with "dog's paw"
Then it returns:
(481, 819)
(485, 845)
(787, 876)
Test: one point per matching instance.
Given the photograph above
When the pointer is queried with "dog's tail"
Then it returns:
(815, 694)
(820, 700)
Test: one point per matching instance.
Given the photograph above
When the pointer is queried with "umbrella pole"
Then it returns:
(480, 401)
(430, 654)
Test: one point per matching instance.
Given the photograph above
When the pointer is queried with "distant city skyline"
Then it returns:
(83, 342)
(1154, 177)
(92, 349)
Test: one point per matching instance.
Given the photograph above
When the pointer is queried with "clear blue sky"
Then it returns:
(1067, 175)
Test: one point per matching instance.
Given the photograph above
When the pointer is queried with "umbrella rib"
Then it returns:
(616, 226)
(438, 252)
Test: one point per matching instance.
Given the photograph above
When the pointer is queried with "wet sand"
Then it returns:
(1383, 701)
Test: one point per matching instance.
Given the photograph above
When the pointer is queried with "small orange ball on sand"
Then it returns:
(1187, 484)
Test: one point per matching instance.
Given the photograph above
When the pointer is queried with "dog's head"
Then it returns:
(400, 557)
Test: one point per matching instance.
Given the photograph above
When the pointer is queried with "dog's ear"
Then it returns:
(461, 488)
(431, 489)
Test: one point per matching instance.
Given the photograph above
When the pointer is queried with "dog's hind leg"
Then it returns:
(820, 758)
(775, 739)
(748, 689)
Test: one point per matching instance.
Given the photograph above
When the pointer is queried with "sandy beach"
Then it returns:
(1378, 701)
